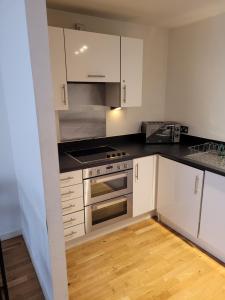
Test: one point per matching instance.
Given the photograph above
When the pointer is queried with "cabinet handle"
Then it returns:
(67, 193)
(124, 93)
(196, 184)
(65, 179)
(65, 96)
(73, 232)
(96, 76)
(70, 220)
(136, 173)
(70, 206)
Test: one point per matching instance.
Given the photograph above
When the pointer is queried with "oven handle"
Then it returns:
(103, 179)
(104, 205)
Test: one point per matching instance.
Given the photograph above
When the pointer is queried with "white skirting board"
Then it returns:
(101, 232)
(10, 235)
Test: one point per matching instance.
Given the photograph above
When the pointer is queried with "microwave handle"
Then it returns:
(112, 177)
(172, 129)
(104, 205)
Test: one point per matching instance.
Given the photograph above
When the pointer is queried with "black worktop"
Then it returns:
(133, 144)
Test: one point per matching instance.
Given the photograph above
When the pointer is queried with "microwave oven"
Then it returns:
(161, 132)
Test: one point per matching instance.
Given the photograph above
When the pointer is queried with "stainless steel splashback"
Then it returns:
(86, 117)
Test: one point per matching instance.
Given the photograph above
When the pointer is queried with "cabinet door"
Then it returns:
(212, 225)
(131, 71)
(144, 185)
(58, 67)
(92, 57)
(179, 194)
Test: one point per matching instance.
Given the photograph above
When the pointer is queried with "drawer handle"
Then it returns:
(65, 179)
(70, 206)
(73, 232)
(70, 220)
(96, 76)
(67, 193)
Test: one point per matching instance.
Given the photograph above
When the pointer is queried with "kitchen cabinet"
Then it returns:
(58, 67)
(179, 195)
(131, 71)
(71, 187)
(92, 57)
(212, 225)
(144, 185)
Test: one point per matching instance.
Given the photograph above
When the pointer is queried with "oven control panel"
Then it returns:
(107, 169)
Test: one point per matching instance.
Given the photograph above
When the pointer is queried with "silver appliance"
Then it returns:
(161, 132)
(108, 194)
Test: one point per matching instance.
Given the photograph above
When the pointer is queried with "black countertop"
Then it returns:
(135, 146)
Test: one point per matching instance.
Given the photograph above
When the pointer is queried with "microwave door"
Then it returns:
(165, 134)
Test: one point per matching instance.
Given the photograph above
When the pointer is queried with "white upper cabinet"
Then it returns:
(179, 195)
(92, 57)
(212, 225)
(144, 185)
(58, 67)
(131, 71)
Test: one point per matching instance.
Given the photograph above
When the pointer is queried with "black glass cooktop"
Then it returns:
(95, 154)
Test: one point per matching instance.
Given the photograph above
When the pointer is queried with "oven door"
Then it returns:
(107, 187)
(108, 212)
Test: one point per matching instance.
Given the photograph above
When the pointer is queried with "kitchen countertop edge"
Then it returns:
(137, 149)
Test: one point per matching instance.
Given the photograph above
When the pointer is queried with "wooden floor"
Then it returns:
(22, 280)
(145, 262)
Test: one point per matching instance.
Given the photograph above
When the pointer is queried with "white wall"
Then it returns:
(196, 77)
(27, 92)
(154, 75)
(9, 202)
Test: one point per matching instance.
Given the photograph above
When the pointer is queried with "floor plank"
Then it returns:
(22, 280)
(144, 261)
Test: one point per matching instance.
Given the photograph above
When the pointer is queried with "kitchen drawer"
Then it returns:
(73, 219)
(74, 232)
(72, 206)
(70, 178)
(71, 192)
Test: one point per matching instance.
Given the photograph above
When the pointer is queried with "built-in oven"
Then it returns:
(107, 194)
(108, 212)
(102, 186)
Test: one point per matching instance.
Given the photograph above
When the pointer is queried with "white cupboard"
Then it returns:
(58, 67)
(131, 72)
(179, 195)
(212, 225)
(71, 187)
(144, 185)
(92, 57)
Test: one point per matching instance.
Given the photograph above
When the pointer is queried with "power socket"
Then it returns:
(184, 129)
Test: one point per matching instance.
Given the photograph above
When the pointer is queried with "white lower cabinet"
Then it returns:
(73, 219)
(212, 225)
(72, 204)
(71, 192)
(70, 178)
(74, 232)
(144, 185)
(179, 195)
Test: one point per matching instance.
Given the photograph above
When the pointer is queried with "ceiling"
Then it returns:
(163, 13)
